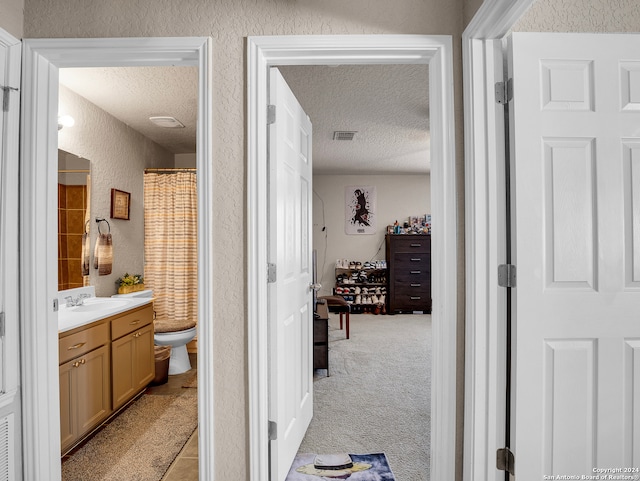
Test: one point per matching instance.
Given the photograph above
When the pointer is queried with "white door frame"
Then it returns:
(9, 205)
(38, 225)
(485, 240)
(437, 52)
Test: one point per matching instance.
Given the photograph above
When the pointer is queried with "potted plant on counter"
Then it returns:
(130, 283)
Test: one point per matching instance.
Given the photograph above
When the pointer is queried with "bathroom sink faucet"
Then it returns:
(78, 301)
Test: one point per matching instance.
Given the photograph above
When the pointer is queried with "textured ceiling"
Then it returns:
(386, 104)
(133, 94)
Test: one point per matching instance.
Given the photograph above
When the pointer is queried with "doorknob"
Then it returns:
(315, 286)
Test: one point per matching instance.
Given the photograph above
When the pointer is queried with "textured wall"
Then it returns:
(118, 157)
(398, 197)
(11, 16)
(229, 22)
(471, 7)
(581, 16)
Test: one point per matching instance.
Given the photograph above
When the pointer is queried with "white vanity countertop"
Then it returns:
(95, 309)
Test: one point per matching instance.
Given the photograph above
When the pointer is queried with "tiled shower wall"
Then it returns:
(72, 204)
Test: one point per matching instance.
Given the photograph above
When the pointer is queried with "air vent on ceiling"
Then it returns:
(344, 135)
(167, 122)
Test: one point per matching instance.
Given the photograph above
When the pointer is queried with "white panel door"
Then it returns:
(290, 296)
(576, 160)
(10, 421)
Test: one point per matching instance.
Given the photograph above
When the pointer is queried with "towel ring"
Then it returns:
(98, 221)
(86, 227)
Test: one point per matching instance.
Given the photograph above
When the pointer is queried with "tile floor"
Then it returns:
(185, 466)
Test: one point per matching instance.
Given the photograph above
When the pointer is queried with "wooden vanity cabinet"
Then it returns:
(85, 383)
(102, 366)
(132, 354)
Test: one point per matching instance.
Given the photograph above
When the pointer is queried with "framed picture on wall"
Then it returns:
(120, 204)
(360, 209)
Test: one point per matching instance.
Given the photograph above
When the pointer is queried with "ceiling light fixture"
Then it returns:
(344, 134)
(167, 122)
(65, 121)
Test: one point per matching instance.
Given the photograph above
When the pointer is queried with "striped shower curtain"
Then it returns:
(170, 244)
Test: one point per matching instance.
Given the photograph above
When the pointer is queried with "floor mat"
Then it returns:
(366, 467)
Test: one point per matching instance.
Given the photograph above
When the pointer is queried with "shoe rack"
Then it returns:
(362, 284)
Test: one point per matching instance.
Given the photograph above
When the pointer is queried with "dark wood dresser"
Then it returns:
(409, 275)
(321, 336)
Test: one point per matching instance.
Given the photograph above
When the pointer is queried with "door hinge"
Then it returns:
(1, 324)
(55, 305)
(273, 430)
(507, 275)
(5, 97)
(504, 92)
(506, 461)
(271, 114)
(271, 273)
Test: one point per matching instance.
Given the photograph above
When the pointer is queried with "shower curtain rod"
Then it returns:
(74, 171)
(171, 169)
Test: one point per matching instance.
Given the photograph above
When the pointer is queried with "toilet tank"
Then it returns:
(145, 293)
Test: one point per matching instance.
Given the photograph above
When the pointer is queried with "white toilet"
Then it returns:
(170, 333)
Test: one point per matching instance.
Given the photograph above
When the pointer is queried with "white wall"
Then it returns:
(185, 161)
(118, 158)
(398, 197)
(228, 23)
(12, 16)
(596, 16)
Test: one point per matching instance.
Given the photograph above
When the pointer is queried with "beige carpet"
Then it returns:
(378, 397)
(150, 433)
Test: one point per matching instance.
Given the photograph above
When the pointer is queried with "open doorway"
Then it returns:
(118, 142)
(386, 109)
(340, 50)
(38, 257)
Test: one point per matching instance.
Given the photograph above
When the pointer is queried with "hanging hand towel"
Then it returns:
(103, 255)
(86, 247)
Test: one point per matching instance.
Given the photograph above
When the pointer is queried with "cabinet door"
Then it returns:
(145, 364)
(93, 389)
(85, 395)
(68, 425)
(122, 369)
(133, 364)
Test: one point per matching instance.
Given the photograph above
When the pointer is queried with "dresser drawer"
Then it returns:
(410, 243)
(320, 329)
(417, 261)
(131, 321)
(82, 342)
(411, 302)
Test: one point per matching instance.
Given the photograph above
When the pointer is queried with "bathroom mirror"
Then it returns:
(74, 214)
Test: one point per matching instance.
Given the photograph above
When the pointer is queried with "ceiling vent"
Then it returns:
(167, 122)
(344, 135)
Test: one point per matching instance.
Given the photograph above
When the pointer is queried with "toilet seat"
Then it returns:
(161, 325)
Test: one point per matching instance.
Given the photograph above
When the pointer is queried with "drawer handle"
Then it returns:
(415, 272)
(416, 285)
(416, 245)
(415, 259)
(415, 298)
(133, 323)
(76, 346)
